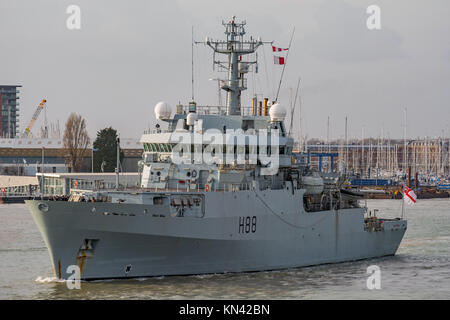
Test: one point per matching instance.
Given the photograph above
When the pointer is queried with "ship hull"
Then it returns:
(122, 241)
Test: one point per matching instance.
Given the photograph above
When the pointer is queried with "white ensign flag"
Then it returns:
(409, 196)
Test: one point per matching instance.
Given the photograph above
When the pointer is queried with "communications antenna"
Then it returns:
(235, 47)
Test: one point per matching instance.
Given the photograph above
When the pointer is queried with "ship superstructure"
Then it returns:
(221, 191)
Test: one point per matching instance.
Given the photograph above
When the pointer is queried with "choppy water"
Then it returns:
(420, 270)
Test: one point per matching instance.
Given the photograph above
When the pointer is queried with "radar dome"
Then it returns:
(277, 112)
(162, 110)
(191, 118)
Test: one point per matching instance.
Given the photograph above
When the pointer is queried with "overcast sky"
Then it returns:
(128, 55)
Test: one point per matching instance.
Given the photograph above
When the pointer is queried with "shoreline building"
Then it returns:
(9, 111)
(24, 156)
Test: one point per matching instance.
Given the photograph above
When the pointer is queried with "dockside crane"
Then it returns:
(27, 131)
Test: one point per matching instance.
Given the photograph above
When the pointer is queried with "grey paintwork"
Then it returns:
(152, 242)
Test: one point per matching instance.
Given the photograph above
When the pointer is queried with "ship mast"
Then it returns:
(234, 47)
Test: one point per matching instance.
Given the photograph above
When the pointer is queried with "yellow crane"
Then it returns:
(27, 131)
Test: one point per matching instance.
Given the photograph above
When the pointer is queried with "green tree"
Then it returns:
(105, 150)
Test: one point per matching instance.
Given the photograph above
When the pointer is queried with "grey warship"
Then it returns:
(220, 191)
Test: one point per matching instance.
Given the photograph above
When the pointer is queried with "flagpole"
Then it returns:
(403, 203)
(284, 65)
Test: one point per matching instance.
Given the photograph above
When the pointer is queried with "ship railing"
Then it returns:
(236, 46)
(153, 131)
(217, 110)
(200, 187)
(208, 109)
(14, 194)
(18, 191)
(216, 187)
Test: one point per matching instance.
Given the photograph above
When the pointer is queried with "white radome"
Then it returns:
(277, 112)
(162, 110)
(191, 118)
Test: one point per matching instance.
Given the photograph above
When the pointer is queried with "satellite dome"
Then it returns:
(162, 110)
(277, 112)
(191, 118)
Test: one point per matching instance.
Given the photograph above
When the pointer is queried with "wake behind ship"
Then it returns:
(221, 191)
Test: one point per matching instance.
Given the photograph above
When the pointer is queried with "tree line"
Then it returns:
(76, 142)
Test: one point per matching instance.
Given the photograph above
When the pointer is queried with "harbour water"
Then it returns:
(420, 270)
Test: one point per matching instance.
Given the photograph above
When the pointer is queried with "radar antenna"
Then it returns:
(234, 47)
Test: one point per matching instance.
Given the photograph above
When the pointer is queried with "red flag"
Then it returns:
(274, 49)
(278, 60)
